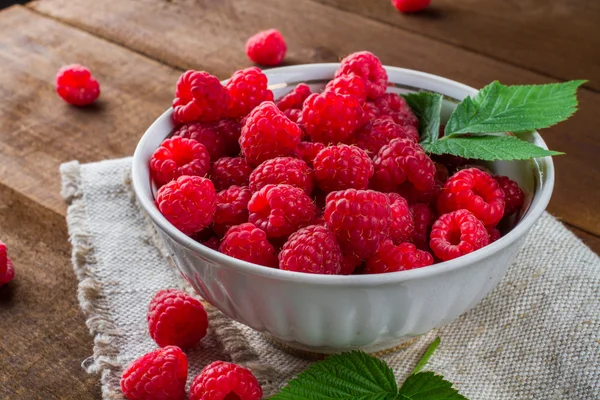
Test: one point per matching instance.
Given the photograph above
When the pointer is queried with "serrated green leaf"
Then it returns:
(500, 108)
(488, 148)
(427, 107)
(428, 386)
(353, 375)
(428, 353)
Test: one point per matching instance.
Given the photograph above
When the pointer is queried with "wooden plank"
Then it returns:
(592, 241)
(557, 38)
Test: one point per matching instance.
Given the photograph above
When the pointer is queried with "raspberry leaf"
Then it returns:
(428, 353)
(428, 386)
(427, 107)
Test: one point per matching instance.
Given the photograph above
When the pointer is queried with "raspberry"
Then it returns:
(331, 118)
(342, 167)
(294, 115)
(160, 374)
(393, 258)
(247, 89)
(230, 130)
(232, 208)
(399, 161)
(360, 220)
(351, 85)
(76, 85)
(176, 319)
(228, 171)
(221, 380)
(212, 243)
(267, 134)
(206, 134)
(308, 151)
(402, 226)
(188, 203)
(280, 210)
(7, 269)
(423, 218)
(476, 191)
(456, 234)
(248, 243)
(409, 6)
(290, 171)
(367, 66)
(394, 105)
(295, 98)
(266, 47)
(494, 234)
(178, 156)
(350, 263)
(199, 96)
(381, 131)
(513, 195)
(313, 250)
(371, 111)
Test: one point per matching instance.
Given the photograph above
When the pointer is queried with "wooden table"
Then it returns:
(137, 49)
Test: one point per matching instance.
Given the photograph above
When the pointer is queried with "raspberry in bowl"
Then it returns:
(367, 284)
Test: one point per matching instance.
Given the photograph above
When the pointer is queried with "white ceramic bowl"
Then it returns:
(323, 313)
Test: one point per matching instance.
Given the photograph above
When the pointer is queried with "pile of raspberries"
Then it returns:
(333, 182)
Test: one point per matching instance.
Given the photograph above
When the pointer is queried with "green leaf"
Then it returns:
(428, 353)
(428, 386)
(488, 148)
(427, 107)
(354, 375)
(500, 108)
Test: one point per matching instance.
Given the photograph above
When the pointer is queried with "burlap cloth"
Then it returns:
(536, 336)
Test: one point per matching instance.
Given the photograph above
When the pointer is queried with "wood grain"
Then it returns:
(592, 241)
(559, 38)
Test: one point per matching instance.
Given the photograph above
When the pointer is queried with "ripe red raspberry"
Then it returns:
(160, 374)
(212, 243)
(294, 115)
(228, 171)
(221, 380)
(208, 135)
(266, 47)
(280, 210)
(410, 193)
(372, 137)
(308, 151)
(476, 191)
(232, 208)
(394, 105)
(350, 264)
(360, 219)
(295, 98)
(189, 203)
(247, 89)
(351, 85)
(248, 243)
(178, 156)
(513, 195)
(76, 85)
(402, 226)
(494, 234)
(176, 319)
(392, 258)
(267, 134)
(331, 118)
(199, 96)
(7, 269)
(423, 218)
(367, 66)
(456, 234)
(342, 167)
(288, 170)
(313, 250)
(371, 111)
(409, 6)
(230, 130)
(399, 161)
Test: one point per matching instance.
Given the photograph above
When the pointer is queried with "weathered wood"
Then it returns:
(592, 241)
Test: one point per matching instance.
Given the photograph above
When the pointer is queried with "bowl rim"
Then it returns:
(142, 188)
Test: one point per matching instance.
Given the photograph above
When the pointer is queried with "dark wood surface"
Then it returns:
(138, 48)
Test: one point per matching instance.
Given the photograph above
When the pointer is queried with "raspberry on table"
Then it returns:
(410, 6)
(229, 171)
(342, 167)
(76, 85)
(160, 374)
(360, 219)
(394, 105)
(206, 134)
(221, 380)
(267, 134)
(199, 96)
(367, 66)
(294, 99)
(232, 208)
(176, 319)
(457, 233)
(313, 250)
(7, 269)
(331, 117)
(513, 195)
(266, 47)
(247, 89)
(308, 151)
(423, 218)
(351, 85)
(189, 203)
(476, 191)
(288, 170)
(494, 234)
(280, 210)
(392, 258)
(372, 137)
(248, 243)
(402, 226)
(178, 156)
